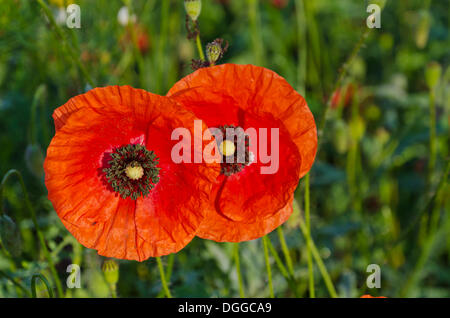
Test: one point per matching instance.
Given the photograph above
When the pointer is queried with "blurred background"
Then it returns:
(379, 193)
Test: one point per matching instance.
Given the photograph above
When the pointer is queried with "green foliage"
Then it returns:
(375, 198)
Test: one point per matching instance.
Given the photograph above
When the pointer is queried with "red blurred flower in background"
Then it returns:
(248, 204)
(111, 178)
(280, 4)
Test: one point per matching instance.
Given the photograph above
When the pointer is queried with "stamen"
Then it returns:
(228, 149)
(132, 172)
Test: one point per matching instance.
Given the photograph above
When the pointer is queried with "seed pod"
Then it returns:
(10, 235)
(357, 128)
(433, 74)
(193, 8)
(111, 271)
(34, 159)
(423, 29)
(340, 136)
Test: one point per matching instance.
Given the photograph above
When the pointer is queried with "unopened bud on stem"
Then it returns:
(193, 8)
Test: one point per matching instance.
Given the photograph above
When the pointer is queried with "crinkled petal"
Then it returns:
(212, 228)
(89, 127)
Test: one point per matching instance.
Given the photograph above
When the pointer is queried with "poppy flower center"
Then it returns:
(132, 171)
(227, 148)
(234, 149)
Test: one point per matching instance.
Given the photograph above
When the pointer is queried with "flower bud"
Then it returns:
(10, 235)
(213, 51)
(34, 159)
(340, 136)
(193, 8)
(423, 29)
(111, 271)
(357, 128)
(433, 74)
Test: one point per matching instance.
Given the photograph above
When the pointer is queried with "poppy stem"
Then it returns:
(163, 278)
(165, 9)
(170, 261)
(312, 293)
(201, 54)
(238, 269)
(46, 283)
(73, 55)
(136, 50)
(255, 25)
(40, 91)
(265, 240)
(290, 279)
(284, 248)
(302, 49)
(36, 225)
(316, 255)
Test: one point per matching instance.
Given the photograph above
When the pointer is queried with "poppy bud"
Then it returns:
(423, 29)
(193, 8)
(213, 51)
(34, 159)
(111, 271)
(433, 74)
(10, 235)
(340, 136)
(357, 128)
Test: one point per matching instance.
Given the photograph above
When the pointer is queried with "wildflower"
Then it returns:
(280, 4)
(193, 8)
(123, 16)
(369, 296)
(246, 203)
(111, 178)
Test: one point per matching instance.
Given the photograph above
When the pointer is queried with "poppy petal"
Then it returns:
(212, 228)
(88, 128)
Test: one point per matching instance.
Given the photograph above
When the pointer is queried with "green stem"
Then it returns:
(36, 225)
(44, 280)
(136, 50)
(255, 26)
(238, 269)
(290, 279)
(198, 41)
(40, 91)
(163, 278)
(267, 260)
(19, 285)
(170, 262)
(301, 46)
(432, 160)
(284, 248)
(308, 240)
(65, 42)
(316, 255)
(162, 45)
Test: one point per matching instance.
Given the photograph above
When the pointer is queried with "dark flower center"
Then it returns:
(234, 159)
(132, 172)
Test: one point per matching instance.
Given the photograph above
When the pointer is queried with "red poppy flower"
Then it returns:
(368, 296)
(248, 204)
(111, 178)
